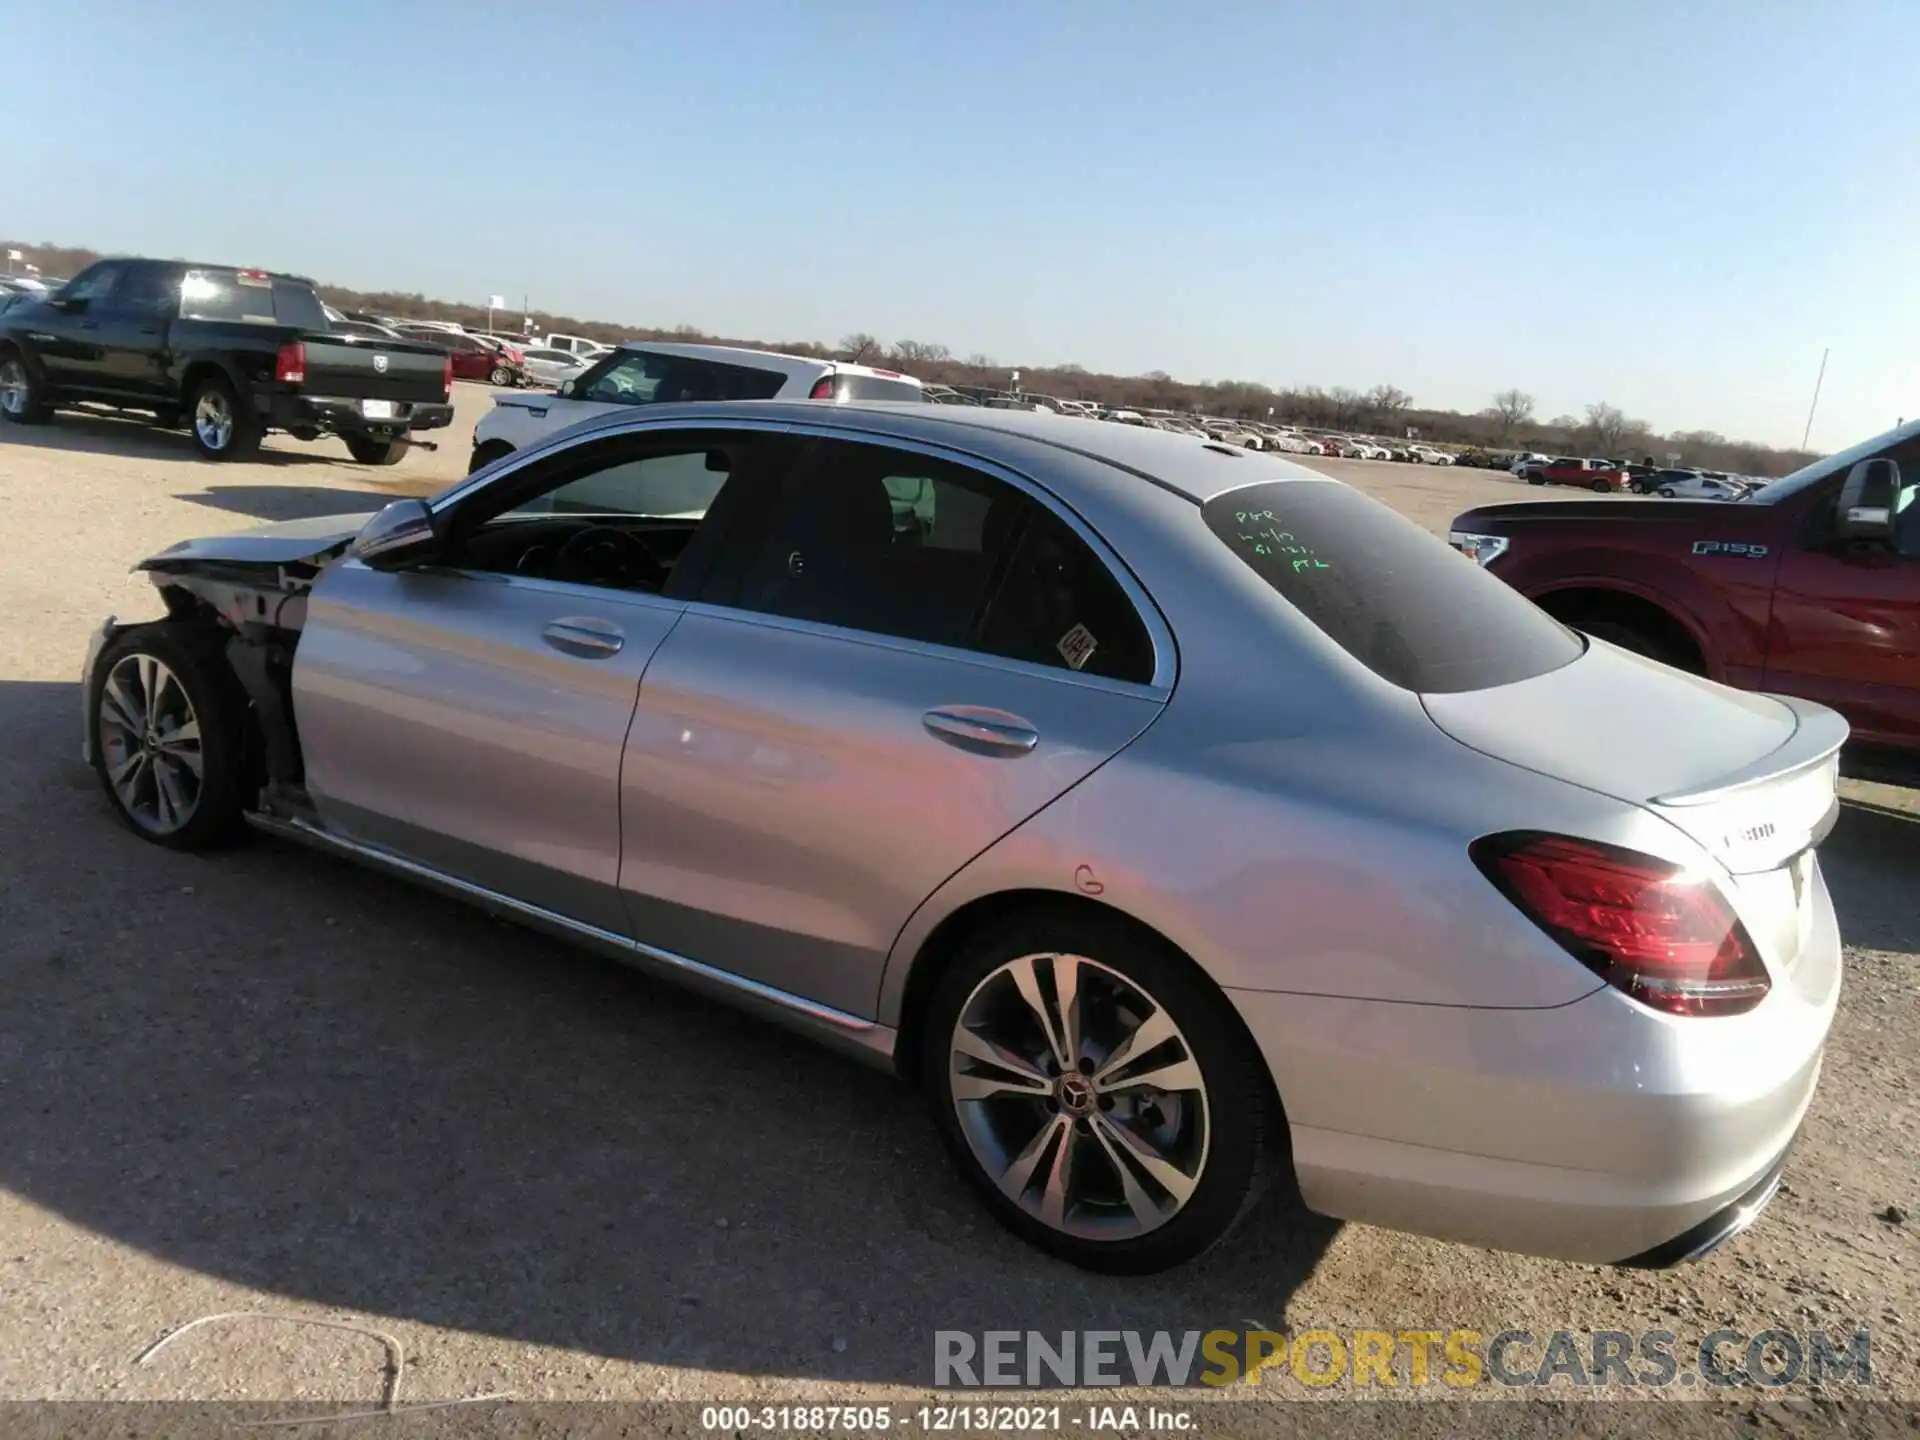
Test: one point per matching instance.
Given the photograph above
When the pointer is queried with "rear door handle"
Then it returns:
(978, 728)
(89, 324)
(585, 637)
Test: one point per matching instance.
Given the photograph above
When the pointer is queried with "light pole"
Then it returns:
(1808, 432)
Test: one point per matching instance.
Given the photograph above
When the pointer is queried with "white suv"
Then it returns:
(644, 373)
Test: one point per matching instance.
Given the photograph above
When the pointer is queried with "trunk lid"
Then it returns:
(402, 370)
(1751, 778)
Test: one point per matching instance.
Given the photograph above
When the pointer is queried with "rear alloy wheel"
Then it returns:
(368, 451)
(1601, 487)
(222, 428)
(168, 720)
(1108, 1110)
(1666, 492)
(501, 375)
(21, 400)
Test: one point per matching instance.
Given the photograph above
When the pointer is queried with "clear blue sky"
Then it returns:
(1669, 206)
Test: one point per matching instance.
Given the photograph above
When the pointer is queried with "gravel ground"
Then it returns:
(271, 1082)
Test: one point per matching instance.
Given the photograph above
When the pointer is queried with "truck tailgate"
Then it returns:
(404, 370)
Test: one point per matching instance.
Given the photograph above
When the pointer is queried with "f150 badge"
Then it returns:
(1730, 547)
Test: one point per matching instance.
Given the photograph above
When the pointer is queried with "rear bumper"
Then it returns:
(1718, 1228)
(1597, 1132)
(341, 415)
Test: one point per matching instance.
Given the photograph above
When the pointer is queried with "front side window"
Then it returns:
(624, 513)
(892, 542)
(147, 290)
(92, 285)
(1397, 599)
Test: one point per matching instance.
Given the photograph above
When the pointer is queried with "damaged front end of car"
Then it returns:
(252, 588)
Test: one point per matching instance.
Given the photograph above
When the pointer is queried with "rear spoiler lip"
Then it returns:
(1817, 737)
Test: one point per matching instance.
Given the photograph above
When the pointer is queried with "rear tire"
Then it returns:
(1666, 492)
(1536, 479)
(161, 701)
(367, 451)
(1209, 1139)
(1601, 487)
(23, 395)
(223, 427)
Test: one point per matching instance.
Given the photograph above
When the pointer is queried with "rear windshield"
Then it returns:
(642, 377)
(1400, 601)
(875, 387)
(268, 300)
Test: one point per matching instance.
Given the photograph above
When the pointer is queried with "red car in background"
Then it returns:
(1809, 586)
(475, 357)
(1601, 475)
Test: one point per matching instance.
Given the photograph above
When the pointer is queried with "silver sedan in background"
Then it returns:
(1174, 816)
(555, 367)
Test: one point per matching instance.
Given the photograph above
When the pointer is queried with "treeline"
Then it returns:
(1508, 423)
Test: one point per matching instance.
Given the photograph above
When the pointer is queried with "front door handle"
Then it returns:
(89, 324)
(585, 637)
(977, 728)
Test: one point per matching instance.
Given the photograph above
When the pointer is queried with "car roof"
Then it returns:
(1188, 465)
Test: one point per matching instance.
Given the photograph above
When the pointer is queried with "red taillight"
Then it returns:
(290, 365)
(1646, 927)
(822, 389)
(446, 375)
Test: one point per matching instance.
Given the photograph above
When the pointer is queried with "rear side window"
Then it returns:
(250, 296)
(1400, 601)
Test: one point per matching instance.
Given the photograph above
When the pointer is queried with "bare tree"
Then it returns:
(1346, 405)
(981, 361)
(859, 347)
(1606, 424)
(918, 352)
(1512, 408)
(1385, 405)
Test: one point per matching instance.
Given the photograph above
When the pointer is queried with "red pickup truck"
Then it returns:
(1808, 587)
(1601, 475)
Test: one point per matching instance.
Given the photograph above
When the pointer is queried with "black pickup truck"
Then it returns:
(230, 354)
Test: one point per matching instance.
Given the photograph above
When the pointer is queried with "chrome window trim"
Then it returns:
(539, 585)
(1159, 632)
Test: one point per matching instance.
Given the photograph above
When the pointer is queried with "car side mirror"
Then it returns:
(566, 389)
(406, 533)
(68, 304)
(1865, 508)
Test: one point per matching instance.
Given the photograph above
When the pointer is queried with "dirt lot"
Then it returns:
(271, 1082)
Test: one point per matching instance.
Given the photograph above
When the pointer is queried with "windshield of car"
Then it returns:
(248, 295)
(1397, 599)
(1901, 445)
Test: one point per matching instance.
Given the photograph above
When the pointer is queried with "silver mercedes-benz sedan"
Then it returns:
(1175, 816)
